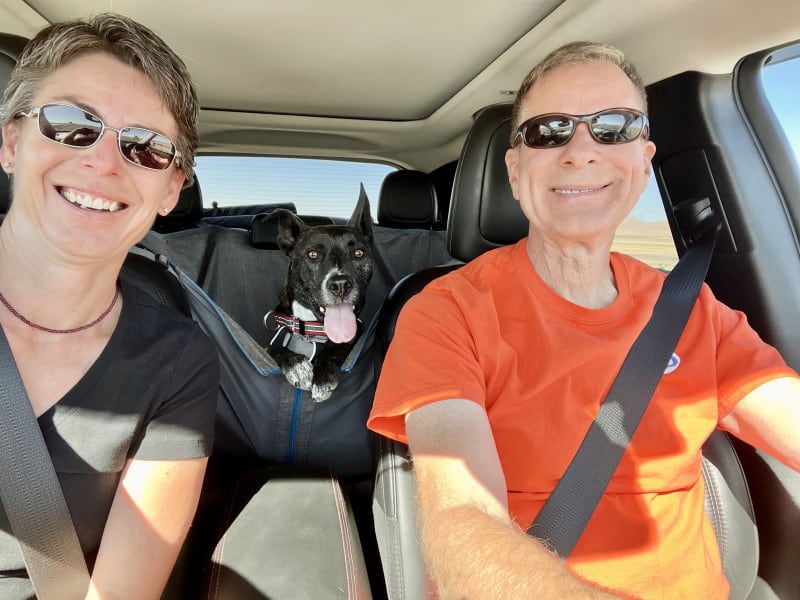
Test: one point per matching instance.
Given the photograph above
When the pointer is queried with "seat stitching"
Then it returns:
(344, 530)
(716, 509)
(219, 551)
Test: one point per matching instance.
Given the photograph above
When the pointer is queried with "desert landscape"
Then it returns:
(650, 242)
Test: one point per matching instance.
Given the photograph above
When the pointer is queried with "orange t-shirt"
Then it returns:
(494, 333)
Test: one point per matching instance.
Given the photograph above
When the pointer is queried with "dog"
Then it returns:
(316, 321)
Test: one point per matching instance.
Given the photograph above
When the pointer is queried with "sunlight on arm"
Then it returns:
(768, 418)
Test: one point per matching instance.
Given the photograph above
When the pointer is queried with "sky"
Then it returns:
(317, 187)
(782, 84)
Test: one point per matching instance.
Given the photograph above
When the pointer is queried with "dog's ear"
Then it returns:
(362, 219)
(288, 227)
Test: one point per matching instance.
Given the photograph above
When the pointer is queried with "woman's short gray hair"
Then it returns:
(128, 41)
(571, 54)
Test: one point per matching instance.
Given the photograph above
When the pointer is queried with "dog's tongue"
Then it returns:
(340, 323)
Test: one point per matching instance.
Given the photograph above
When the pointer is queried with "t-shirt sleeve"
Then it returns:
(431, 357)
(182, 425)
(744, 360)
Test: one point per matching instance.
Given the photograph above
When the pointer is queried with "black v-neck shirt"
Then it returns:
(150, 395)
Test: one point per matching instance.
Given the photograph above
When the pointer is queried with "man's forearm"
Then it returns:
(471, 554)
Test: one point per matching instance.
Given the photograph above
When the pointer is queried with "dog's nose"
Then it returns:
(340, 286)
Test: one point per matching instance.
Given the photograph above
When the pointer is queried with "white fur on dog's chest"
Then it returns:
(302, 313)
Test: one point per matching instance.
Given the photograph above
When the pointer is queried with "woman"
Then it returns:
(99, 136)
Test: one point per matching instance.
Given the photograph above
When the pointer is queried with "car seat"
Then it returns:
(10, 47)
(407, 201)
(187, 212)
(484, 215)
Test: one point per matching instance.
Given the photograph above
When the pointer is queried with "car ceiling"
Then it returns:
(401, 81)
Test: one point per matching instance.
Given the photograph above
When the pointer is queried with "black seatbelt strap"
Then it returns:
(32, 495)
(573, 501)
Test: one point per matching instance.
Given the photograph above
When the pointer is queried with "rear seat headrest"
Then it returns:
(407, 201)
(187, 212)
(483, 212)
(264, 231)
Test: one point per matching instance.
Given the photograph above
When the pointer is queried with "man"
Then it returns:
(491, 429)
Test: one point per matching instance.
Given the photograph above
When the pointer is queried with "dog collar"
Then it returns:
(295, 325)
(296, 335)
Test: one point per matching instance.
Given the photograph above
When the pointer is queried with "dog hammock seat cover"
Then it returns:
(261, 416)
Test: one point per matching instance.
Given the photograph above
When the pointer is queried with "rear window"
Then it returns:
(331, 187)
(315, 186)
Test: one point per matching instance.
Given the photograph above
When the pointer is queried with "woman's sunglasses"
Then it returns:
(78, 128)
(611, 126)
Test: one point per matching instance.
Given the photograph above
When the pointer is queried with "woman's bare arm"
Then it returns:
(149, 519)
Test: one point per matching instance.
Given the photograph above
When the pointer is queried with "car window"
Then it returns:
(315, 186)
(645, 234)
(331, 187)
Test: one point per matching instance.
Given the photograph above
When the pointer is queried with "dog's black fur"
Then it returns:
(328, 265)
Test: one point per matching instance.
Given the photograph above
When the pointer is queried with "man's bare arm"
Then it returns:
(472, 548)
(768, 418)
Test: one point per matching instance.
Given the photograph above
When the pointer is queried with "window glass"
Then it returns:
(315, 186)
(780, 79)
(645, 234)
(331, 187)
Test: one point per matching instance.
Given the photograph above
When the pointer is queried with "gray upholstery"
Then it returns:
(484, 215)
(307, 521)
(730, 510)
(395, 515)
(408, 201)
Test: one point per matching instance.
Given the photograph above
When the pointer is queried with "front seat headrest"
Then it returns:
(187, 213)
(483, 213)
(10, 47)
(407, 201)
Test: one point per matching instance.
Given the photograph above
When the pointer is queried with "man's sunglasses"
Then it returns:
(78, 128)
(611, 126)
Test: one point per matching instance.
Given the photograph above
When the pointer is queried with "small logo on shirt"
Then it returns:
(673, 363)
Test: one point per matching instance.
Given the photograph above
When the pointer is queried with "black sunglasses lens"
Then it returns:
(146, 148)
(548, 131)
(69, 125)
(609, 127)
(617, 127)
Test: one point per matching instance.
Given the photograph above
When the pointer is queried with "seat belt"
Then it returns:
(566, 512)
(32, 495)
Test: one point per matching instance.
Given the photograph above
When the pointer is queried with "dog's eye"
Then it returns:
(312, 254)
(359, 253)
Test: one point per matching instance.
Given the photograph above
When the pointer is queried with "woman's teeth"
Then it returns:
(90, 202)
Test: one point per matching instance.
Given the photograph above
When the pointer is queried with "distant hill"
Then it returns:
(647, 241)
(634, 227)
